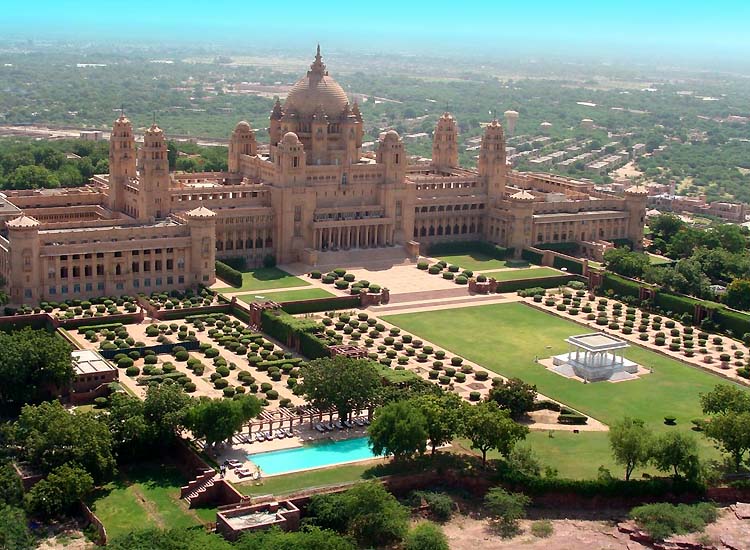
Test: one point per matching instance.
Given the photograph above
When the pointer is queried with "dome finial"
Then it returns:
(318, 67)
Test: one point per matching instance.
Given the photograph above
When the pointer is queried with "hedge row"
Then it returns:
(465, 247)
(571, 265)
(543, 282)
(322, 304)
(228, 274)
(281, 325)
(532, 257)
(620, 285)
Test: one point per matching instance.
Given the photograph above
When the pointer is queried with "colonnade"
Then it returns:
(359, 236)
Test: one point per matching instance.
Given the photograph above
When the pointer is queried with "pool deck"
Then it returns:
(303, 434)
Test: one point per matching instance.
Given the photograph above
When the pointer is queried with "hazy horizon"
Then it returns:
(690, 32)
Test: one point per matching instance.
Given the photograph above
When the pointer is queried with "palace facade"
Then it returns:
(309, 192)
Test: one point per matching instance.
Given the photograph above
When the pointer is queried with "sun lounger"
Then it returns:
(319, 427)
(366, 421)
(243, 472)
(348, 423)
(260, 437)
(339, 424)
(280, 434)
(233, 463)
(288, 432)
(328, 426)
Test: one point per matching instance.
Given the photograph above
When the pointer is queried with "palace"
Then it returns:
(309, 192)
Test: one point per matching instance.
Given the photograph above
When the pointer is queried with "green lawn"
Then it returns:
(513, 334)
(286, 295)
(517, 274)
(264, 278)
(278, 485)
(146, 495)
(475, 261)
(658, 260)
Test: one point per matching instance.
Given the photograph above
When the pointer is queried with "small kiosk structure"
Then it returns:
(595, 357)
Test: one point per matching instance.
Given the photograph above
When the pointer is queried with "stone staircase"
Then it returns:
(364, 258)
(198, 486)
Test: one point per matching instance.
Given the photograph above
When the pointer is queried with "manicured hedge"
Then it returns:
(322, 304)
(620, 285)
(544, 282)
(228, 274)
(571, 265)
(531, 256)
(465, 247)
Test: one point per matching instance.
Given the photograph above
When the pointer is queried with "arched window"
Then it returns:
(422, 232)
(447, 229)
(440, 230)
(463, 229)
(431, 232)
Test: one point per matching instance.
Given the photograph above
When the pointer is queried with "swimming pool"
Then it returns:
(313, 455)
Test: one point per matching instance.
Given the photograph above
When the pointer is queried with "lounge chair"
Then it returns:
(260, 437)
(234, 463)
(348, 423)
(339, 424)
(280, 434)
(319, 427)
(288, 432)
(359, 422)
(328, 426)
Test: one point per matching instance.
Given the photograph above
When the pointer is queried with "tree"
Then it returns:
(630, 441)
(738, 294)
(506, 509)
(132, 434)
(341, 383)
(34, 365)
(14, 531)
(164, 408)
(514, 395)
(627, 263)
(442, 414)
(488, 427)
(426, 536)
(684, 243)
(173, 539)
(666, 226)
(219, 419)
(11, 488)
(309, 538)
(725, 398)
(400, 429)
(49, 436)
(678, 452)
(366, 512)
(731, 431)
(59, 492)
(32, 177)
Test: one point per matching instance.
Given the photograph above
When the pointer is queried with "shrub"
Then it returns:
(456, 361)
(571, 418)
(125, 363)
(221, 383)
(670, 420)
(228, 391)
(272, 395)
(542, 529)
(481, 375)
(132, 371)
(461, 280)
(315, 274)
(448, 275)
(423, 266)
(474, 396)
(181, 356)
(433, 270)
(425, 536)
(662, 519)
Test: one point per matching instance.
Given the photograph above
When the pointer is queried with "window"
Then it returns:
(76, 271)
(205, 278)
(136, 253)
(89, 287)
(170, 264)
(158, 281)
(146, 282)
(170, 280)
(51, 273)
(100, 254)
(87, 271)
(100, 269)
(136, 267)
(136, 283)
(118, 254)
(119, 286)
(157, 265)
(146, 266)
(64, 289)
(100, 286)
(181, 279)
(77, 288)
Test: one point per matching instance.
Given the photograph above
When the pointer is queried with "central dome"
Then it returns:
(316, 89)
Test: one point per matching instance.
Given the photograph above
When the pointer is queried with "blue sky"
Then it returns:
(686, 28)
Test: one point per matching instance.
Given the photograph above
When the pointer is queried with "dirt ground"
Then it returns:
(598, 532)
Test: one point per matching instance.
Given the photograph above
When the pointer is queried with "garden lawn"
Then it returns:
(518, 274)
(287, 295)
(658, 260)
(505, 338)
(279, 485)
(264, 278)
(145, 495)
(475, 261)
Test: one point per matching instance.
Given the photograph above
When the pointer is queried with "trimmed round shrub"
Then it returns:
(132, 371)
(433, 270)
(456, 361)
(315, 274)
(328, 279)
(461, 280)
(481, 375)
(125, 363)
(229, 391)
(448, 275)
(460, 377)
(181, 356)
(221, 383)
(444, 380)
(474, 396)
(433, 374)
(423, 266)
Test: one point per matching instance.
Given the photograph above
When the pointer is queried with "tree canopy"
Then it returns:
(399, 429)
(341, 383)
(219, 419)
(33, 364)
(630, 441)
(514, 395)
(489, 427)
(49, 437)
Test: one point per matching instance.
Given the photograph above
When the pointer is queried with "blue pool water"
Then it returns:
(313, 455)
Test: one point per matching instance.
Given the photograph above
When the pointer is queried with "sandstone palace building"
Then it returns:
(309, 192)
